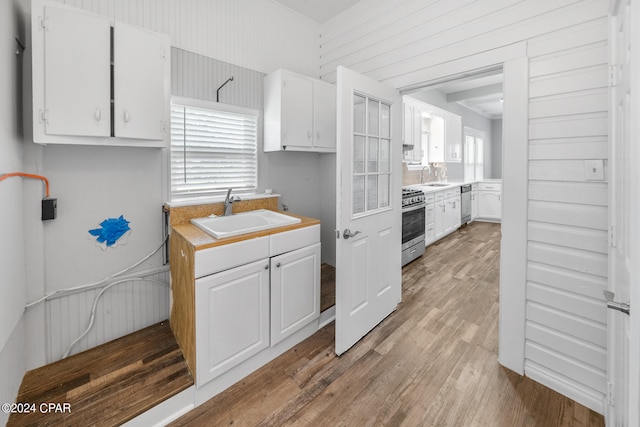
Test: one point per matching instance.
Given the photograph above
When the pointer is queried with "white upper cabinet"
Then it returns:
(412, 148)
(324, 117)
(96, 82)
(431, 134)
(299, 113)
(453, 138)
(139, 60)
(75, 97)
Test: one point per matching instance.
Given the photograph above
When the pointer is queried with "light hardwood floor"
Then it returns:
(433, 362)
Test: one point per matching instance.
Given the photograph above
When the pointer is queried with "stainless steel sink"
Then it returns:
(242, 223)
(438, 184)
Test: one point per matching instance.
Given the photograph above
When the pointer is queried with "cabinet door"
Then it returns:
(440, 218)
(474, 202)
(77, 77)
(232, 318)
(489, 204)
(140, 90)
(297, 111)
(453, 150)
(295, 291)
(324, 114)
(430, 224)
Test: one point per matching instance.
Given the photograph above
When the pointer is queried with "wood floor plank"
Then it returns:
(433, 362)
(109, 384)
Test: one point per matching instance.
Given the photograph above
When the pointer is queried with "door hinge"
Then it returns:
(337, 234)
(612, 75)
(44, 116)
(612, 236)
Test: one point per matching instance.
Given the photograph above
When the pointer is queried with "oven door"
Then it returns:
(412, 224)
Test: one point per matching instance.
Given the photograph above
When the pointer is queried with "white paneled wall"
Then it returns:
(124, 308)
(409, 42)
(261, 35)
(567, 249)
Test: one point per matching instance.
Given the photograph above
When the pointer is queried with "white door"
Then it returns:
(368, 218)
(623, 358)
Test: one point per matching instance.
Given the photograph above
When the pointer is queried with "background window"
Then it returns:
(473, 154)
(213, 148)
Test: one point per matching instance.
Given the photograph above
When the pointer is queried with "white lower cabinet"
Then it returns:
(440, 208)
(442, 214)
(474, 202)
(490, 200)
(430, 223)
(295, 291)
(452, 214)
(249, 296)
(232, 318)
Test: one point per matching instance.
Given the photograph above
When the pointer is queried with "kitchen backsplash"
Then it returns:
(412, 177)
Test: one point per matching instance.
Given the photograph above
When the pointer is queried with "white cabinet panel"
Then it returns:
(324, 117)
(474, 202)
(77, 77)
(453, 137)
(295, 291)
(489, 204)
(440, 215)
(139, 83)
(96, 82)
(452, 214)
(299, 113)
(232, 318)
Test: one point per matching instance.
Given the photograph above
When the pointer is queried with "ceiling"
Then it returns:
(318, 10)
(480, 94)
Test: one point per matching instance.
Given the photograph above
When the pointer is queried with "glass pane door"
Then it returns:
(371, 167)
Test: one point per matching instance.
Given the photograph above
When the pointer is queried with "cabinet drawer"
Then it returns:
(290, 240)
(430, 234)
(452, 192)
(429, 198)
(430, 214)
(224, 257)
(490, 186)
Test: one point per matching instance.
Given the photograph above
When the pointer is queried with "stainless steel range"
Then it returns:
(413, 216)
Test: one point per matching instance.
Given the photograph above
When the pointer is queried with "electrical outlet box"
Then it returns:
(49, 209)
(594, 170)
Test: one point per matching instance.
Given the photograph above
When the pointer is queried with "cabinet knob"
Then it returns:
(318, 136)
(278, 265)
(126, 117)
(309, 134)
(266, 267)
(97, 115)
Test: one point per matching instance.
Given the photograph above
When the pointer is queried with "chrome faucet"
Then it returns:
(228, 203)
(422, 173)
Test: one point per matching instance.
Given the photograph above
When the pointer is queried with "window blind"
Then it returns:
(212, 150)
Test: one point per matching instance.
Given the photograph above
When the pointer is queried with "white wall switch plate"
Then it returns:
(594, 170)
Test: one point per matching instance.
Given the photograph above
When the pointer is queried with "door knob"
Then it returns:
(347, 233)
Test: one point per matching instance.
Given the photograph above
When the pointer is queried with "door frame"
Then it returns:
(515, 129)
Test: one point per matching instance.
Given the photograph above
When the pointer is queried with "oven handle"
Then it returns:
(414, 207)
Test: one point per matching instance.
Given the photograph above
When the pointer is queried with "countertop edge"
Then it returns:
(201, 240)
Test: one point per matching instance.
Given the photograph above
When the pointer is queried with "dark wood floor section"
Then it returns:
(433, 362)
(110, 384)
(327, 286)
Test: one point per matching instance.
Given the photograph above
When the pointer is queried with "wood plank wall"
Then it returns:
(408, 42)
